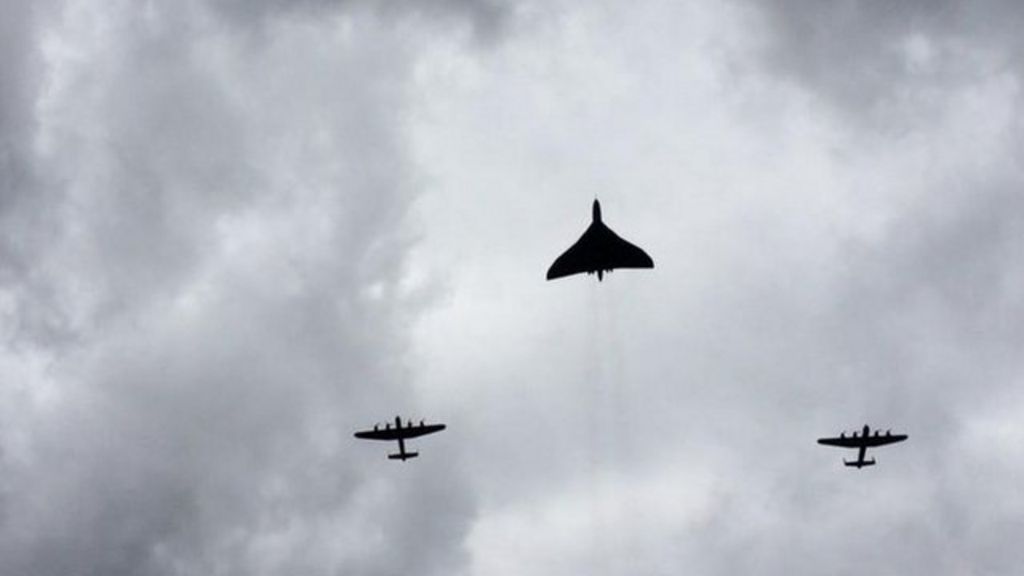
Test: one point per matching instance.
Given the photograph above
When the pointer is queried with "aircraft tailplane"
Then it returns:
(403, 456)
(860, 463)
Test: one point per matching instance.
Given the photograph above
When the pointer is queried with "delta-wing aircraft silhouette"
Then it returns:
(599, 250)
(862, 443)
(401, 434)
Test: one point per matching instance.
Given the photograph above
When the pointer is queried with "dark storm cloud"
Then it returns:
(202, 302)
(950, 256)
(861, 54)
(15, 72)
(24, 219)
(483, 16)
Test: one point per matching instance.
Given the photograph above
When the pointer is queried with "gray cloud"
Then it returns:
(815, 271)
(213, 304)
(210, 286)
(935, 290)
(484, 17)
(868, 56)
(24, 222)
(924, 316)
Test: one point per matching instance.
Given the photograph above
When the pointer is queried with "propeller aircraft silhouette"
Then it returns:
(598, 250)
(862, 443)
(401, 434)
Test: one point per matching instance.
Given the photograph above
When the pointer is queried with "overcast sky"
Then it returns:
(232, 233)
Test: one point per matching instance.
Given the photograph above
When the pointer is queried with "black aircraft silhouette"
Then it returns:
(862, 443)
(598, 250)
(401, 434)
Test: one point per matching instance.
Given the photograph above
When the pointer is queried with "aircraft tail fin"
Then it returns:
(860, 463)
(403, 456)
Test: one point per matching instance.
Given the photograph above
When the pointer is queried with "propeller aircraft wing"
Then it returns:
(858, 441)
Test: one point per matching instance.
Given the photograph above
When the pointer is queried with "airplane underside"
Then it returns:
(598, 251)
(861, 443)
(400, 434)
